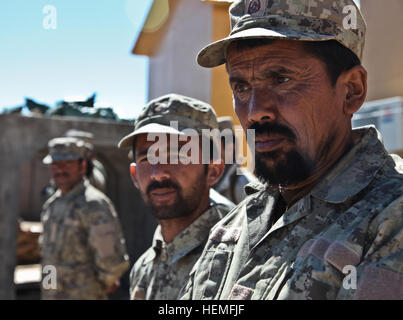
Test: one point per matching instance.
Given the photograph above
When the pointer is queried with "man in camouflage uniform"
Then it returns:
(82, 238)
(178, 192)
(232, 183)
(97, 175)
(326, 222)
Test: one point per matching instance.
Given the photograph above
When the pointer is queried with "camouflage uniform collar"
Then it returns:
(189, 239)
(254, 186)
(78, 188)
(224, 182)
(356, 169)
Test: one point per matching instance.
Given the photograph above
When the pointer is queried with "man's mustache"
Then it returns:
(162, 184)
(269, 128)
(62, 174)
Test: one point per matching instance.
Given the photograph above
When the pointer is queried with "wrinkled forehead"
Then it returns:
(268, 48)
(65, 163)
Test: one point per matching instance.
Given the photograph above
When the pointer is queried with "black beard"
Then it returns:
(178, 209)
(287, 169)
(280, 167)
(182, 207)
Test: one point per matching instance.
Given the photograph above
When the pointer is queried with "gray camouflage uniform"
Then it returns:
(352, 220)
(343, 240)
(160, 273)
(231, 184)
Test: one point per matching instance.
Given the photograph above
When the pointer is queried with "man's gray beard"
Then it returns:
(289, 169)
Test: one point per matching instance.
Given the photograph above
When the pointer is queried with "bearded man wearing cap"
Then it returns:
(82, 241)
(326, 221)
(177, 190)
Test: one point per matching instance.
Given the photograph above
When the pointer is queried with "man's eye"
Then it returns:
(241, 88)
(281, 79)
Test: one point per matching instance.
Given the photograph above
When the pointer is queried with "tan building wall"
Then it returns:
(383, 55)
(172, 35)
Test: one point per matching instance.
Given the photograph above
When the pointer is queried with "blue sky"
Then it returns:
(89, 51)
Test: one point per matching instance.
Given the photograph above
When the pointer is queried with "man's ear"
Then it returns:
(133, 174)
(215, 171)
(354, 82)
(83, 167)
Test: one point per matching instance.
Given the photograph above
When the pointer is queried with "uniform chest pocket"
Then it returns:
(218, 257)
(71, 240)
(219, 262)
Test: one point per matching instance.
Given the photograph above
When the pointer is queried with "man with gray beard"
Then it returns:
(326, 221)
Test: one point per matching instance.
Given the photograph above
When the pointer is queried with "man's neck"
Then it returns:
(66, 190)
(170, 228)
(292, 194)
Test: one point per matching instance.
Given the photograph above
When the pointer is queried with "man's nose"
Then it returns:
(262, 105)
(160, 172)
(58, 167)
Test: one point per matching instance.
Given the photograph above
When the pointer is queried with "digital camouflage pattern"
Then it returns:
(351, 219)
(231, 185)
(161, 272)
(157, 115)
(305, 20)
(82, 238)
(65, 148)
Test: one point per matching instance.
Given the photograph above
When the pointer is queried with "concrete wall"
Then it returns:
(383, 55)
(23, 142)
(174, 68)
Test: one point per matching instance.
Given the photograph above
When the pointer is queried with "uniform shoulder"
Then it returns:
(142, 266)
(397, 164)
(95, 206)
(50, 200)
(235, 216)
(220, 201)
(389, 180)
(94, 197)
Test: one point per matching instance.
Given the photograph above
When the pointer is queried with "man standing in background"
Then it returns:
(82, 240)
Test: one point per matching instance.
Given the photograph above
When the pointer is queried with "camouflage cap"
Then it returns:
(304, 20)
(157, 115)
(225, 123)
(65, 148)
(86, 136)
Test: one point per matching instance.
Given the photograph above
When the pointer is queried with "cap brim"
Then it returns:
(49, 159)
(214, 54)
(127, 142)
